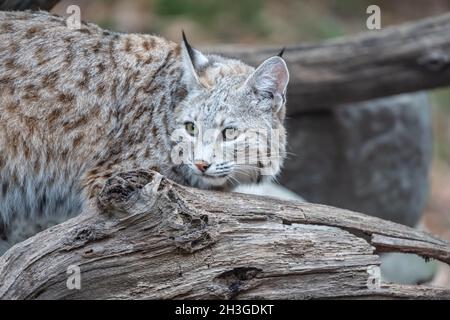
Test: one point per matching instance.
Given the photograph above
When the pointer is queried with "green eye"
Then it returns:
(230, 133)
(191, 128)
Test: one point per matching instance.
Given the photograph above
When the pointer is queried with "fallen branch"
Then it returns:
(147, 237)
(398, 59)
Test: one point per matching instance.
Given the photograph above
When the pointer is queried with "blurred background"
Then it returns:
(285, 22)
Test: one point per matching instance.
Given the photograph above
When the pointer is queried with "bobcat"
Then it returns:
(78, 106)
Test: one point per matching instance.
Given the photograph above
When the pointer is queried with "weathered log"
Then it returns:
(147, 237)
(397, 59)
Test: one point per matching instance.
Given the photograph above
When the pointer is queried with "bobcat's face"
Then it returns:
(230, 126)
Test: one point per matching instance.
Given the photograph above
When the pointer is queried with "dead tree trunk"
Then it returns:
(147, 237)
(398, 59)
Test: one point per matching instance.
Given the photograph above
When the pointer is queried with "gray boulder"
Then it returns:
(371, 157)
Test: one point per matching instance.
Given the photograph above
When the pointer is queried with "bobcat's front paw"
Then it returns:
(121, 191)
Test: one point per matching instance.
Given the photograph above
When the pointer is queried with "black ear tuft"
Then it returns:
(280, 54)
(188, 46)
(193, 61)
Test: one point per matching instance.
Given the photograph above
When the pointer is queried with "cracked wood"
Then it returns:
(146, 237)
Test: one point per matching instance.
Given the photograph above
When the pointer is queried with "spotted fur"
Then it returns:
(77, 106)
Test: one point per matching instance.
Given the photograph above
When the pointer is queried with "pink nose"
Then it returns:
(202, 165)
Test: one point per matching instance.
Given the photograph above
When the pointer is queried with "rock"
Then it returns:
(404, 268)
(371, 157)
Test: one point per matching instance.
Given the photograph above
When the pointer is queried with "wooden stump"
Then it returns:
(147, 237)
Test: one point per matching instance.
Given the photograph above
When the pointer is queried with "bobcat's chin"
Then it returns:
(214, 181)
(209, 183)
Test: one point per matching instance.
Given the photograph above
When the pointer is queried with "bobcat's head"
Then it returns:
(230, 125)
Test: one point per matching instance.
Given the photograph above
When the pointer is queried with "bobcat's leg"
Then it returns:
(94, 184)
(113, 190)
(94, 179)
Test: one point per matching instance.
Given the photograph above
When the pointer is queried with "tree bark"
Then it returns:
(398, 59)
(147, 237)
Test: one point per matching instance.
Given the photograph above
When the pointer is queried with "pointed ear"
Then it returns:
(280, 54)
(270, 80)
(193, 62)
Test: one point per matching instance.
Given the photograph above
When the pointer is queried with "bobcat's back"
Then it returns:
(77, 106)
(74, 105)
